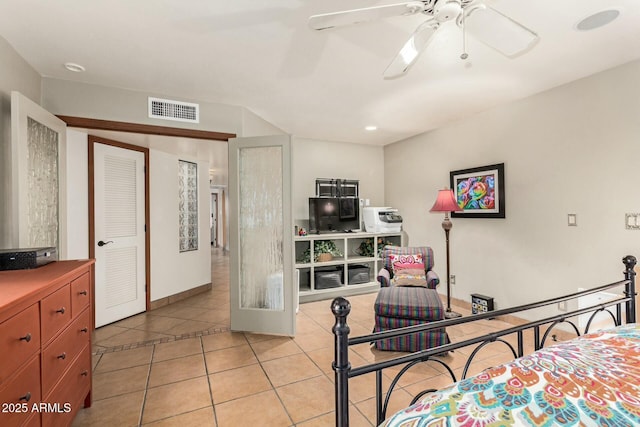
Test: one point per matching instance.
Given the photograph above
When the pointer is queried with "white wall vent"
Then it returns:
(167, 109)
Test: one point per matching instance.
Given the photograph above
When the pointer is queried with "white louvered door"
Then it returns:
(119, 233)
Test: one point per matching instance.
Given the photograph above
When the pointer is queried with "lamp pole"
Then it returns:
(446, 226)
(446, 202)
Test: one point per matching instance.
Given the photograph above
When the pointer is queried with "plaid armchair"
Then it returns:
(385, 275)
(399, 306)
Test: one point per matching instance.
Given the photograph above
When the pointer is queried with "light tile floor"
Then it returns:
(180, 365)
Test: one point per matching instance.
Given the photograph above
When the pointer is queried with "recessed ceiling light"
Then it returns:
(371, 128)
(597, 20)
(76, 68)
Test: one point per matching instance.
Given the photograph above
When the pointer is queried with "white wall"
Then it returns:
(173, 271)
(573, 149)
(77, 195)
(15, 74)
(325, 159)
(254, 125)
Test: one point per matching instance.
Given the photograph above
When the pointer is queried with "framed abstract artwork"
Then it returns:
(479, 191)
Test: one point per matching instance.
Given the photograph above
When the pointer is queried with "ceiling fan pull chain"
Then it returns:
(464, 38)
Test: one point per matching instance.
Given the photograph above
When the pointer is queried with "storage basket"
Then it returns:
(329, 277)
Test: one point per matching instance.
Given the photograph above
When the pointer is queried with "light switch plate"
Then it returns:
(572, 220)
(632, 221)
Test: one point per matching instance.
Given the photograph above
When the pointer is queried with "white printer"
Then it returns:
(381, 220)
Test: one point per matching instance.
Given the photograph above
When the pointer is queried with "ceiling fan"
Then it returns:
(485, 23)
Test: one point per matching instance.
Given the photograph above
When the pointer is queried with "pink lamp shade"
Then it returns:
(446, 202)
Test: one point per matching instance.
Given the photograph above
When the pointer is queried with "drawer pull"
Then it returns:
(82, 293)
(85, 330)
(26, 338)
(62, 356)
(84, 373)
(61, 310)
(26, 397)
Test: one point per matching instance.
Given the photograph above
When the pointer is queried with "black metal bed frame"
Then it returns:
(343, 370)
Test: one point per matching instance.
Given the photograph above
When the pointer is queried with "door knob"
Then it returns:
(102, 243)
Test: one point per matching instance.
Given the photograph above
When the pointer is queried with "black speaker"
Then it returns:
(22, 259)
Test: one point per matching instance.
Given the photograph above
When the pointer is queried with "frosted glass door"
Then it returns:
(262, 291)
(37, 214)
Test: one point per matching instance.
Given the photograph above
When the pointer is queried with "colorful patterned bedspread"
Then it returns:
(589, 381)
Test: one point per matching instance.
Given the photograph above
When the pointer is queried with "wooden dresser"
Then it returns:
(46, 319)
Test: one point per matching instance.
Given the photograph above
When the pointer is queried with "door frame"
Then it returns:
(119, 126)
(91, 141)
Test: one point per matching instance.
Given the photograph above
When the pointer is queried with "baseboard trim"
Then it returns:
(179, 296)
(515, 320)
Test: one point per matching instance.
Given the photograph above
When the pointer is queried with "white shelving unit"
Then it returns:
(349, 270)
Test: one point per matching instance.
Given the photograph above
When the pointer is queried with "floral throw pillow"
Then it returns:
(408, 270)
(406, 261)
(410, 277)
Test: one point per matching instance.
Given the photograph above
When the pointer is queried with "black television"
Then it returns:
(334, 214)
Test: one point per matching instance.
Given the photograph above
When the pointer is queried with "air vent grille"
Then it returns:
(166, 109)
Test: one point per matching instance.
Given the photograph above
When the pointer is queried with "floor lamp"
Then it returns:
(446, 202)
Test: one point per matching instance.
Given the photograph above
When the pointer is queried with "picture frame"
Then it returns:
(479, 191)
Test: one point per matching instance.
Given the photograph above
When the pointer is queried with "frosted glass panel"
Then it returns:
(42, 183)
(188, 205)
(261, 228)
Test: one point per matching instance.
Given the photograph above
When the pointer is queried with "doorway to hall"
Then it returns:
(168, 140)
(214, 220)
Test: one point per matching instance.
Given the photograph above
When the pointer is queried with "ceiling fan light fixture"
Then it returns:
(448, 10)
(597, 20)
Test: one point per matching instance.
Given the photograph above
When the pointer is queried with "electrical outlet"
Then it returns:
(562, 306)
(632, 221)
(453, 279)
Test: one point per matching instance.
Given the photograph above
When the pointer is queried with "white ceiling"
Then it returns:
(328, 85)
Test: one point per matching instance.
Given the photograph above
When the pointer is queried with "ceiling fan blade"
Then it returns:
(356, 16)
(498, 31)
(412, 49)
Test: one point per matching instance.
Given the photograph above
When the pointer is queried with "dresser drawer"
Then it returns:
(59, 355)
(19, 393)
(80, 294)
(19, 339)
(55, 313)
(73, 388)
(34, 421)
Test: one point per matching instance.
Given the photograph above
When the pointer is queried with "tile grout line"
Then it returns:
(146, 388)
(206, 371)
(131, 346)
(273, 387)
